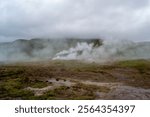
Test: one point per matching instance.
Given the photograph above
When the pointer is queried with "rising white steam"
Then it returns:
(92, 50)
(109, 51)
(74, 52)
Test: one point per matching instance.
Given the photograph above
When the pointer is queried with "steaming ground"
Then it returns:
(72, 69)
(39, 49)
(108, 51)
(91, 50)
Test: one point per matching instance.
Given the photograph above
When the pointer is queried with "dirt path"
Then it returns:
(117, 90)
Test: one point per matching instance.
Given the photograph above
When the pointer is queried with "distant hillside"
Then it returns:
(94, 50)
(22, 49)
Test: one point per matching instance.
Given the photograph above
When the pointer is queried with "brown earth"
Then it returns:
(75, 80)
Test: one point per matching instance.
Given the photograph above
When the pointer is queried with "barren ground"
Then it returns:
(75, 80)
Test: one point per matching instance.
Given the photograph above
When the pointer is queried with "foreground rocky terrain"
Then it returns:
(75, 80)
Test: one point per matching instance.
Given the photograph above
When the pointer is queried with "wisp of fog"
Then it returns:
(90, 50)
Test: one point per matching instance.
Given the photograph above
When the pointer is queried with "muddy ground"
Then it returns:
(75, 80)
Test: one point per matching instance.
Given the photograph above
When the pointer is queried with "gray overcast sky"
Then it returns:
(111, 19)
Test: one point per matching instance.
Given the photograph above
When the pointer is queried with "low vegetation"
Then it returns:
(16, 78)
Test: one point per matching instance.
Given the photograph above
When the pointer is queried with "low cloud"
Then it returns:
(113, 19)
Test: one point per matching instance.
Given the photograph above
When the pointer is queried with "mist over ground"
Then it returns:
(74, 49)
(114, 21)
(90, 50)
